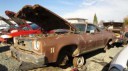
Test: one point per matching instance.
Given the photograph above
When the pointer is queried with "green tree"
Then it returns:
(126, 21)
(95, 21)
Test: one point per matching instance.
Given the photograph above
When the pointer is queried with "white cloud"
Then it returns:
(106, 10)
(90, 2)
(66, 2)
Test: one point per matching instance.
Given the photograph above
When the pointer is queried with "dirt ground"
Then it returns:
(95, 61)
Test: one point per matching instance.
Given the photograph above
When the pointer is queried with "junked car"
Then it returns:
(3, 35)
(23, 28)
(23, 24)
(63, 43)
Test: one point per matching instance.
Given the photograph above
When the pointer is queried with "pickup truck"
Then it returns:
(59, 40)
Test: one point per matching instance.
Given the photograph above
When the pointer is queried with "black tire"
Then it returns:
(62, 59)
(126, 34)
(114, 69)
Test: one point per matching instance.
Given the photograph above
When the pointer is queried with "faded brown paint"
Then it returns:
(53, 43)
(58, 43)
(85, 42)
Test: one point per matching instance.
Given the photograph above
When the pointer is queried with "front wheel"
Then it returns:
(78, 61)
(64, 61)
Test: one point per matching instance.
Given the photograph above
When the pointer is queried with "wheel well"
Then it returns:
(109, 41)
(69, 49)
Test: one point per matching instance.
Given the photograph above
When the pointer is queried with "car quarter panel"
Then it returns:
(52, 45)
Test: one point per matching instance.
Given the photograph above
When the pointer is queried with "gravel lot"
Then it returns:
(95, 61)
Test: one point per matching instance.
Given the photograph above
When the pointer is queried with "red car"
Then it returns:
(22, 29)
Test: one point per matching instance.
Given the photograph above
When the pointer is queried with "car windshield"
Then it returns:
(80, 27)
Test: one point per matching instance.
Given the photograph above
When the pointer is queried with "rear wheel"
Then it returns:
(78, 61)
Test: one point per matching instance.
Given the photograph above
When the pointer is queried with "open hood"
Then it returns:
(11, 15)
(8, 22)
(43, 17)
(21, 22)
(5, 20)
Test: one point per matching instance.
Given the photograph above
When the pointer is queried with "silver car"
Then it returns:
(120, 61)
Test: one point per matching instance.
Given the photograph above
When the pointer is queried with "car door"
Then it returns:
(88, 40)
(85, 38)
(99, 37)
(96, 35)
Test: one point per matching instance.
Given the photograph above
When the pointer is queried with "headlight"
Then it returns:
(6, 36)
(13, 31)
(36, 45)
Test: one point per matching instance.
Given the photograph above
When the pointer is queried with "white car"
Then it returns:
(120, 61)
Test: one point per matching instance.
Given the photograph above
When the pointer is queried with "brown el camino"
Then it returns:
(59, 41)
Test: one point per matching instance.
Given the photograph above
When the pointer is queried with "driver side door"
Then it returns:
(96, 35)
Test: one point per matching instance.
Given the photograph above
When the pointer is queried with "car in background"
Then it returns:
(120, 61)
(23, 28)
(120, 30)
(3, 33)
(117, 28)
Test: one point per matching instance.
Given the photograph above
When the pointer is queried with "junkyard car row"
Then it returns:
(54, 40)
(119, 29)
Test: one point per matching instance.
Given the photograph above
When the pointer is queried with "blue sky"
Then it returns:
(58, 6)
(106, 10)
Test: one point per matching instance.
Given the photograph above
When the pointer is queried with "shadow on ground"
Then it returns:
(3, 68)
(106, 67)
(118, 44)
(4, 48)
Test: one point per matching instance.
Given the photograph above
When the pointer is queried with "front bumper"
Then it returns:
(23, 56)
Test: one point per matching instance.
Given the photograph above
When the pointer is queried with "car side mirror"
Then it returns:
(92, 31)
